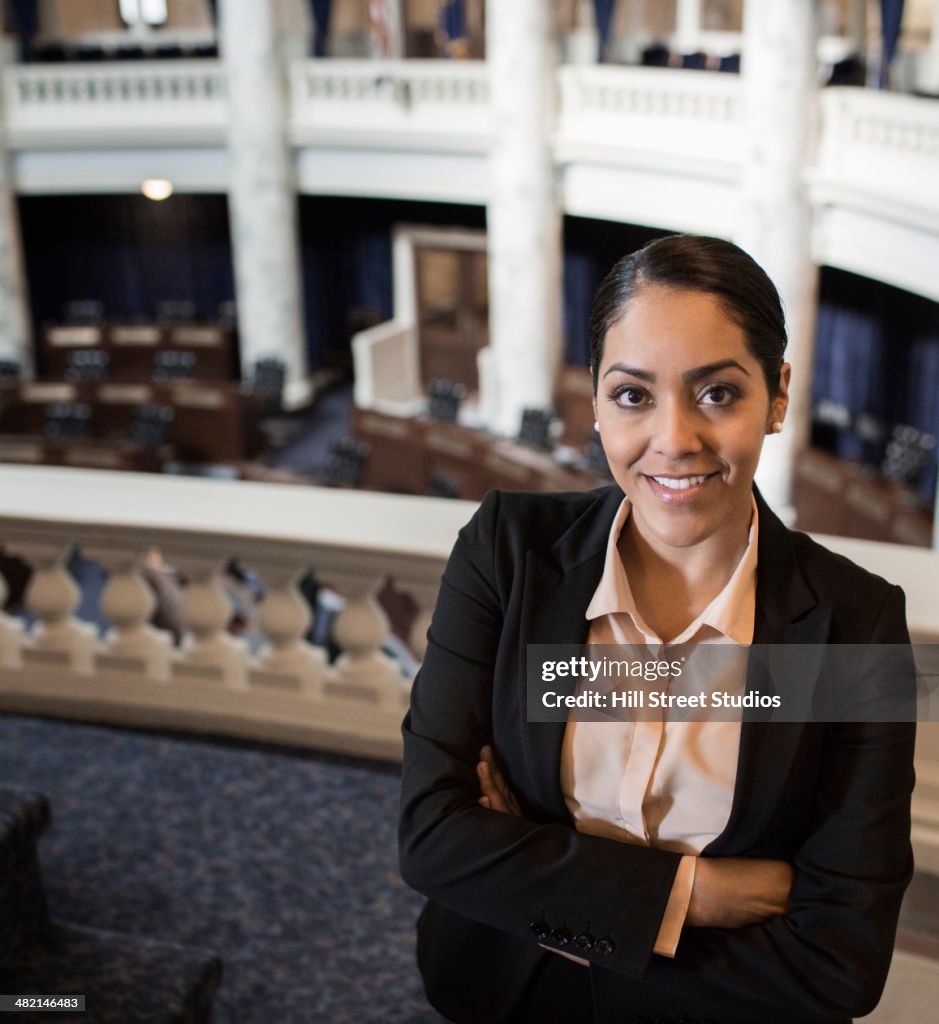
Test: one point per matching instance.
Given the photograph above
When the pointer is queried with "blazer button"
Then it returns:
(562, 936)
(583, 942)
(540, 929)
(604, 947)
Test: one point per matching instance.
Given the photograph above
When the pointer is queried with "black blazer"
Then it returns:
(831, 799)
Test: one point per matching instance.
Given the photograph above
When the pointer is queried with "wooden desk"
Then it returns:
(132, 348)
(407, 452)
(215, 421)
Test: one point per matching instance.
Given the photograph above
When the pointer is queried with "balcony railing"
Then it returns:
(120, 104)
(881, 150)
(286, 691)
(685, 121)
(415, 104)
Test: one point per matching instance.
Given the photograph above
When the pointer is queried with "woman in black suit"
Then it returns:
(786, 911)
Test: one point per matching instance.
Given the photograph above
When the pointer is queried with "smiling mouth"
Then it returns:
(680, 483)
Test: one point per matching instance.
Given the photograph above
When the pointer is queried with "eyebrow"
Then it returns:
(689, 376)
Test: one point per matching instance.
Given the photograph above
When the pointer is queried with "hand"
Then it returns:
(731, 892)
(496, 794)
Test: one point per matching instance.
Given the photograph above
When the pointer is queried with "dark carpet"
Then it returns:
(284, 863)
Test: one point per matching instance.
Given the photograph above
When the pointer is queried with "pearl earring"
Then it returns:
(776, 426)
(596, 426)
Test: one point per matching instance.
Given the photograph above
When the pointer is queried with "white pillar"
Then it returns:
(262, 195)
(523, 214)
(688, 25)
(780, 100)
(15, 333)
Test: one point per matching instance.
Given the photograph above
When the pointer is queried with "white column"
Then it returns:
(262, 195)
(523, 214)
(15, 333)
(780, 100)
(688, 25)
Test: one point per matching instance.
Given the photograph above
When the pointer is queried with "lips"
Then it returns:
(677, 490)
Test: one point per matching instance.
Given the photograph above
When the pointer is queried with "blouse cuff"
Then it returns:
(676, 910)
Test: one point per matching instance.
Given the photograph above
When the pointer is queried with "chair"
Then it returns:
(596, 457)
(444, 398)
(87, 364)
(907, 455)
(536, 428)
(67, 421)
(345, 465)
(268, 383)
(170, 365)
(175, 311)
(151, 425)
(442, 485)
(84, 311)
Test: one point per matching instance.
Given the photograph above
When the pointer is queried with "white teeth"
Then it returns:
(680, 483)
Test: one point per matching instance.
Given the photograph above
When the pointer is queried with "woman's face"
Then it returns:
(683, 408)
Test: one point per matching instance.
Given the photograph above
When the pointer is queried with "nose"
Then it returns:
(675, 430)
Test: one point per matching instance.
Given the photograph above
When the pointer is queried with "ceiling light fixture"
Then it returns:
(157, 189)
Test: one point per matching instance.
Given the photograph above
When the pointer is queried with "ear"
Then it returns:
(780, 402)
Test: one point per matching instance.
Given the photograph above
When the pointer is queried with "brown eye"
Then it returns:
(720, 394)
(629, 396)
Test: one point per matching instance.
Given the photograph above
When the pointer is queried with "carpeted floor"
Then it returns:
(284, 864)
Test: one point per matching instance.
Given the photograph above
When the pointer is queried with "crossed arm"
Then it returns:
(728, 892)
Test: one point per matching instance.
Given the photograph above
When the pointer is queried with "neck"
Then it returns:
(673, 585)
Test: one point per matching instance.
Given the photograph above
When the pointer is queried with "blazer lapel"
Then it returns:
(558, 587)
(786, 613)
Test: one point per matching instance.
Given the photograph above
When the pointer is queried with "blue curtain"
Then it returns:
(923, 399)
(320, 10)
(581, 277)
(451, 19)
(25, 16)
(604, 9)
(891, 15)
(127, 253)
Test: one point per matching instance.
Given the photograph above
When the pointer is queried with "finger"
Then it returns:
(486, 782)
(484, 801)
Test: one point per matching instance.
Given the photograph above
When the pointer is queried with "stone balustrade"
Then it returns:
(284, 690)
(413, 104)
(88, 105)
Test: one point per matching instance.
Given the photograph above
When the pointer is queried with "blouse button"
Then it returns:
(583, 942)
(604, 947)
(540, 929)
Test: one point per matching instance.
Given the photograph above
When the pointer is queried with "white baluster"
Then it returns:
(57, 638)
(208, 652)
(132, 645)
(11, 631)
(360, 629)
(286, 660)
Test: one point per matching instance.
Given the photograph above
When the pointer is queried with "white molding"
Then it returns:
(102, 172)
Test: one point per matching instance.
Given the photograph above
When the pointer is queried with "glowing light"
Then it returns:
(157, 189)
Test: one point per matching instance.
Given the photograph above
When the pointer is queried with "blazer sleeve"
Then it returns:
(827, 957)
(501, 870)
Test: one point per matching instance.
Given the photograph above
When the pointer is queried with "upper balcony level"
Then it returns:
(653, 146)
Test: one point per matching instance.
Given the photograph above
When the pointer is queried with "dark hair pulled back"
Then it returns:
(698, 263)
